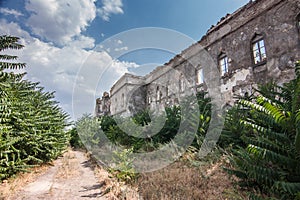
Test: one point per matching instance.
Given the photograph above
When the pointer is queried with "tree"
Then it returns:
(6, 61)
(31, 122)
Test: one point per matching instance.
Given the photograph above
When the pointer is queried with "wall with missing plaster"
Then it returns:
(257, 43)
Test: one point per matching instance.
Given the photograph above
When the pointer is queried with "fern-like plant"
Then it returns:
(270, 159)
(31, 122)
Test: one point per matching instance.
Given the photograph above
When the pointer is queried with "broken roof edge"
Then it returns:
(125, 76)
(182, 56)
(223, 21)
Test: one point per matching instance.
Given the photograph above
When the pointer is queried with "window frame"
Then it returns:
(167, 90)
(199, 76)
(181, 83)
(224, 68)
(149, 99)
(122, 100)
(258, 50)
(158, 94)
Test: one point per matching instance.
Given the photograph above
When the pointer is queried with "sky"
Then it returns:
(80, 48)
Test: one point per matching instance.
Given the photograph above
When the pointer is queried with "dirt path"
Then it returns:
(71, 177)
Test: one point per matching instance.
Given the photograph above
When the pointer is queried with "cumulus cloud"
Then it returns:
(110, 7)
(59, 20)
(12, 28)
(7, 11)
(59, 68)
(121, 49)
(82, 42)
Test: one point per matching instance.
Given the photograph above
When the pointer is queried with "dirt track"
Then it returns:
(71, 177)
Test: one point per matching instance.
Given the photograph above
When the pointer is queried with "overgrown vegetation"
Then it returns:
(164, 135)
(75, 140)
(266, 140)
(123, 170)
(261, 134)
(31, 122)
(117, 136)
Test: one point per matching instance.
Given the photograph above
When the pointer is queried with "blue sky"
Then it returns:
(60, 37)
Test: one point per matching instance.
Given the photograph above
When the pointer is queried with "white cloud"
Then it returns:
(119, 42)
(7, 11)
(110, 7)
(59, 21)
(58, 68)
(12, 28)
(121, 49)
(83, 42)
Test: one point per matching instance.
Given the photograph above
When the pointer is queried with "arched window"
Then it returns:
(158, 94)
(149, 98)
(259, 49)
(200, 76)
(223, 63)
(167, 90)
(122, 100)
(181, 83)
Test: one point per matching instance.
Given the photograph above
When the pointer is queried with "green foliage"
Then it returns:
(106, 122)
(123, 169)
(89, 131)
(204, 105)
(117, 136)
(75, 140)
(142, 118)
(31, 122)
(268, 157)
(166, 132)
(233, 129)
(171, 126)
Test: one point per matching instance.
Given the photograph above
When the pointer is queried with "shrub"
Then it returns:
(270, 160)
(32, 125)
(165, 132)
(123, 169)
(75, 140)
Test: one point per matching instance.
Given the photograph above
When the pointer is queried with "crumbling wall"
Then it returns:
(276, 21)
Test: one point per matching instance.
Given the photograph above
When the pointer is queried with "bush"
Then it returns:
(269, 157)
(32, 125)
(165, 132)
(123, 169)
(75, 140)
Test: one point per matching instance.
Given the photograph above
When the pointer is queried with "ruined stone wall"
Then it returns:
(276, 22)
(162, 87)
(103, 105)
(124, 91)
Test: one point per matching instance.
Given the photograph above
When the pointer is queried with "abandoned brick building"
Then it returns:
(257, 43)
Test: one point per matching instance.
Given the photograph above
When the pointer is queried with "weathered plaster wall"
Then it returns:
(124, 91)
(276, 20)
